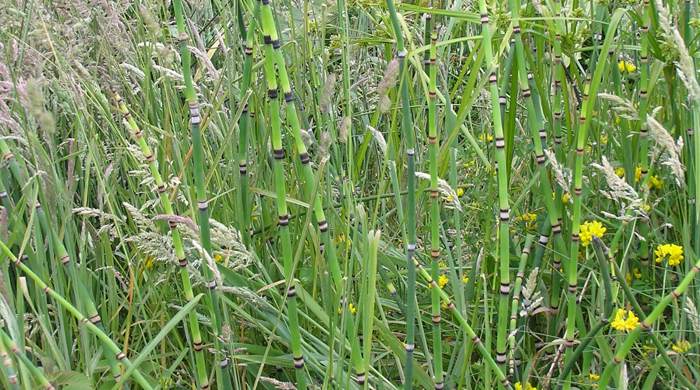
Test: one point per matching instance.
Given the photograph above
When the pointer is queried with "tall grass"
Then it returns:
(349, 194)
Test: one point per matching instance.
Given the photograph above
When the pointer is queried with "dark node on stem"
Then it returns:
(299, 362)
(439, 385)
(484, 18)
(95, 319)
(579, 151)
(540, 159)
(577, 191)
(504, 215)
(505, 288)
(323, 226)
(644, 59)
(516, 29)
(569, 343)
(493, 78)
(278, 154)
(476, 340)
(543, 240)
(574, 237)
(557, 139)
(434, 194)
(289, 97)
(675, 294)
(206, 386)
(543, 135)
(435, 253)
(172, 224)
(211, 285)
(65, 259)
(121, 356)
(198, 346)
(432, 94)
(501, 357)
(47, 289)
(202, 205)
(500, 143)
(409, 347)
(224, 363)
(291, 292)
(138, 134)
(437, 319)
(360, 379)
(643, 93)
(572, 288)
(502, 100)
(276, 44)
(646, 326)
(556, 228)
(247, 50)
(411, 247)
(582, 119)
(150, 158)
(321, 247)
(526, 93)
(283, 220)
(451, 305)
(243, 168)
(161, 188)
(304, 157)
(617, 360)
(272, 93)
(432, 139)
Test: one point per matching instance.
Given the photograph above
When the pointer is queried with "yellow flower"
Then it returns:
(442, 281)
(485, 137)
(449, 199)
(630, 67)
(617, 120)
(566, 198)
(528, 386)
(528, 217)
(149, 262)
(444, 305)
(637, 174)
(621, 65)
(460, 192)
(646, 207)
(442, 265)
(465, 279)
(352, 308)
(620, 171)
(655, 183)
(682, 346)
(218, 257)
(630, 322)
(637, 273)
(672, 251)
(604, 139)
(593, 377)
(590, 229)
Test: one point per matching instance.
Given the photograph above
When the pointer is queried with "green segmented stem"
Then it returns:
(84, 321)
(278, 155)
(503, 204)
(178, 245)
(244, 124)
(409, 139)
(8, 368)
(515, 304)
(433, 141)
(480, 346)
(39, 376)
(217, 315)
(643, 127)
(273, 42)
(646, 325)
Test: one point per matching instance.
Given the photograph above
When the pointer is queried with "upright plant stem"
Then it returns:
(215, 312)
(433, 141)
(178, 245)
(503, 204)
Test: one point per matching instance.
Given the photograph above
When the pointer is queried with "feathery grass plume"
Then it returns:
(344, 130)
(561, 174)
(379, 138)
(156, 245)
(141, 221)
(390, 77)
(622, 107)
(618, 189)
(673, 149)
(692, 312)
(327, 93)
(97, 213)
(445, 189)
(686, 64)
(278, 384)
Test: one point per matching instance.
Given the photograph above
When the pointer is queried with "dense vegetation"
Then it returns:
(349, 194)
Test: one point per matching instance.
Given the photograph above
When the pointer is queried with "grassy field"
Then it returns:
(349, 194)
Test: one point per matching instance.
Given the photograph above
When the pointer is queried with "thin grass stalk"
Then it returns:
(407, 130)
(515, 304)
(646, 325)
(278, 154)
(367, 305)
(434, 141)
(8, 368)
(215, 312)
(644, 127)
(73, 311)
(25, 361)
(178, 244)
(503, 204)
(345, 65)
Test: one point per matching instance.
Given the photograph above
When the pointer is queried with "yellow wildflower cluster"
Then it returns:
(442, 280)
(590, 229)
(593, 377)
(630, 322)
(681, 346)
(485, 137)
(528, 386)
(626, 66)
(620, 172)
(460, 192)
(654, 183)
(636, 274)
(673, 252)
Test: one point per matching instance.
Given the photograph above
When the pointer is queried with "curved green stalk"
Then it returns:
(515, 304)
(215, 312)
(503, 204)
(178, 245)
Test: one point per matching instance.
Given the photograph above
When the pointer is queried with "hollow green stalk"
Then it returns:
(178, 245)
(503, 204)
(278, 155)
(515, 304)
(409, 139)
(215, 312)
(433, 141)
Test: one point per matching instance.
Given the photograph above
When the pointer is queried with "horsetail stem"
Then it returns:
(120, 356)
(215, 308)
(433, 145)
(278, 155)
(503, 204)
(178, 245)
